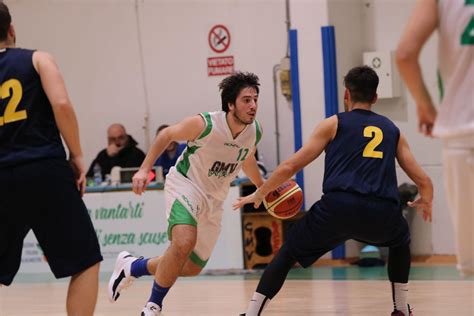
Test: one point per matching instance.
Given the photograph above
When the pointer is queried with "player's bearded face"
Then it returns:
(246, 105)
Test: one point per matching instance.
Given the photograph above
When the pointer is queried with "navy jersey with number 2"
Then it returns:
(361, 157)
(28, 129)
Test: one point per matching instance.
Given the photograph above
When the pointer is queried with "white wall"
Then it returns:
(143, 63)
(307, 16)
(100, 45)
(174, 36)
(95, 45)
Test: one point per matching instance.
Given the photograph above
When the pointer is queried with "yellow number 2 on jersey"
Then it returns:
(377, 136)
(12, 89)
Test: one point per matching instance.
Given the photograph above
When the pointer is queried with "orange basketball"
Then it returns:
(285, 201)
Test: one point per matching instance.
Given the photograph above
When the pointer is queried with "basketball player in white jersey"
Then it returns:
(219, 144)
(454, 122)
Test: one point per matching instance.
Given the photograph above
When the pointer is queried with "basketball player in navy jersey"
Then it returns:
(39, 189)
(360, 198)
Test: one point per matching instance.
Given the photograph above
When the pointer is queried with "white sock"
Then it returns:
(257, 304)
(399, 296)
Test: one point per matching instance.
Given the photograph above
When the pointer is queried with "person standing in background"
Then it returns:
(454, 122)
(39, 189)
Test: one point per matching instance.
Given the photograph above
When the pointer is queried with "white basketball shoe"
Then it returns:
(151, 309)
(121, 277)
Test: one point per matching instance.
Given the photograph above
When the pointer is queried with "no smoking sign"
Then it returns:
(219, 38)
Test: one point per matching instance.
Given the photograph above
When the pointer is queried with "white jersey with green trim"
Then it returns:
(456, 68)
(213, 160)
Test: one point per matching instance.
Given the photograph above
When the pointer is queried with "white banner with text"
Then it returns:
(125, 221)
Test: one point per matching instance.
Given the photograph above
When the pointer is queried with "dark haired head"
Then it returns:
(231, 86)
(362, 83)
(5, 21)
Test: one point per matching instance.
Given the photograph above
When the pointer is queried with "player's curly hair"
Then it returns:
(231, 86)
(362, 83)
(5, 21)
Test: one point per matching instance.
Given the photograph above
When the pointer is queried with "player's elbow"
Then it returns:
(61, 104)
(405, 55)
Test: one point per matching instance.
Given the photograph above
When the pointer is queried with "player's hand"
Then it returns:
(256, 198)
(426, 118)
(424, 206)
(113, 150)
(140, 181)
(79, 169)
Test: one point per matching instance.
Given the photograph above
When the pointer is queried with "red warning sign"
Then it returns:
(219, 66)
(219, 38)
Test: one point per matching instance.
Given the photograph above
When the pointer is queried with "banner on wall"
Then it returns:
(219, 40)
(138, 224)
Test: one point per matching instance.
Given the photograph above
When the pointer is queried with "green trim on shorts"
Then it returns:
(179, 215)
(196, 260)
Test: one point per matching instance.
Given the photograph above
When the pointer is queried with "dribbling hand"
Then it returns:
(256, 198)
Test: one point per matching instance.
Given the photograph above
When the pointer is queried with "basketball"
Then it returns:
(285, 201)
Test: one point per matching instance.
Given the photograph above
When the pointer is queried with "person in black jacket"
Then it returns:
(121, 151)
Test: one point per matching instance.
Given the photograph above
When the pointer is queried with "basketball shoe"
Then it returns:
(121, 277)
(400, 313)
(151, 309)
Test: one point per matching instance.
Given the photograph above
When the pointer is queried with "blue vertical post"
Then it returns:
(295, 98)
(331, 107)
(330, 70)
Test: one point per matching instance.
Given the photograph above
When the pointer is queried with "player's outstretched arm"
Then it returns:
(251, 169)
(64, 114)
(319, 139)
(408, 163)
(421, 25)
(188, 129)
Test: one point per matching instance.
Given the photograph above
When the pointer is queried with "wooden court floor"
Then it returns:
(221, 295)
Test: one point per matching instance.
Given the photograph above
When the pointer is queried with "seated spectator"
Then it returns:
(121, 151)
(170, 156)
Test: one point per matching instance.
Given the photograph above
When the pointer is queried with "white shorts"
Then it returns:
(187, 204)
(458, 171)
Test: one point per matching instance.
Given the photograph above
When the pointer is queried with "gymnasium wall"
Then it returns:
(144, 63)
